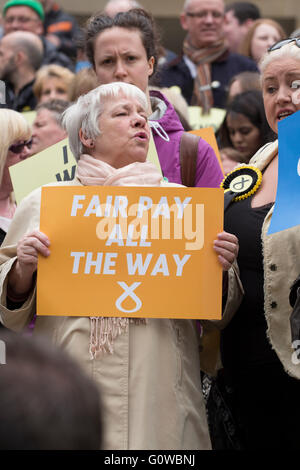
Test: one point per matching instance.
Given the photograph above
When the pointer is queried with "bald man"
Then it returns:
(115, 6)
(21, 54)
(206, 65)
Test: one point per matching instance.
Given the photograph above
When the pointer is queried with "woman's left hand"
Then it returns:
(227, 248)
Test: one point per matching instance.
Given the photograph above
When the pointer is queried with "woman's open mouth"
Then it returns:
(283, 114)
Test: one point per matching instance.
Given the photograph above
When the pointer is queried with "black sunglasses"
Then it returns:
(279, 44)
(18, 148)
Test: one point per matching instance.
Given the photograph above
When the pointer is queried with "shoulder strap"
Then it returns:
(188, 158)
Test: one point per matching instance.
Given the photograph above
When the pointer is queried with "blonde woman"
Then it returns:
(15, 144)
(262, 34)
(52, 82)
(84, 81)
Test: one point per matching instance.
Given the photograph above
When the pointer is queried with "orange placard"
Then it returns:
(208, 134)
(131, 252)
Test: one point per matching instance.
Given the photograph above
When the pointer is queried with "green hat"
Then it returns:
(36, 6)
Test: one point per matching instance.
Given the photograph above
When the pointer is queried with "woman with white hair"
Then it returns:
(258, 352)
(148, 371)
(15, 145)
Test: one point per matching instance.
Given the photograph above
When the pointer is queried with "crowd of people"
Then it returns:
(108, 86)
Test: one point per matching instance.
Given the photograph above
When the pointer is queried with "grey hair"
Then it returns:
(85, 113)
(55, 107)
(288, 51)
(133, 3)
(187, 4)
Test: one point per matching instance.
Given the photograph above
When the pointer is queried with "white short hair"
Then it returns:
(132, 3)
(187, 4)
(288, 51)
(84, 114)
(113, 7)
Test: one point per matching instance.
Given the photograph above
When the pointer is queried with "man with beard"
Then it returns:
(21, 55)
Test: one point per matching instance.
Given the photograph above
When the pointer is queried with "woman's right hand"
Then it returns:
(28, 249)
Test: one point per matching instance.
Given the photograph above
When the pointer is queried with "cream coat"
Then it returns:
(150, 386)
(281, 267)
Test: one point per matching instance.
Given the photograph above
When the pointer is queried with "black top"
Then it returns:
(54, 56)
(223, 69)
(244, 341)
(2, 236)
(25, 100)
(63, 25)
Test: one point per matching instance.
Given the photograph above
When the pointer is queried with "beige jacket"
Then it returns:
(281, 267)
(150, 385)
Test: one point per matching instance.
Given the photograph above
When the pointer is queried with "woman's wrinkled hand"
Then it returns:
(227, 247)
(20, 278)
(28, 249)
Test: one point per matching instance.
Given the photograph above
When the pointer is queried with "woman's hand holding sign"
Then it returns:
(227, 248)
(21, 276)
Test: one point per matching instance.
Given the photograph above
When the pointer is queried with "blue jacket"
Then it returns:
(223, 69)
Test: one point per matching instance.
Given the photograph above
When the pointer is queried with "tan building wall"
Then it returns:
(166, 12)
(171, 8)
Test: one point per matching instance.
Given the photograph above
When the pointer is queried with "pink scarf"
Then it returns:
(93, 172)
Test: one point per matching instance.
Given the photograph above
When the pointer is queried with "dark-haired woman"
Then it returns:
(125, 48)
(245, 127)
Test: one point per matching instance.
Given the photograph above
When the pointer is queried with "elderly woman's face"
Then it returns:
(45, 131)
(280, 85)
(124, 132)
(120, 56)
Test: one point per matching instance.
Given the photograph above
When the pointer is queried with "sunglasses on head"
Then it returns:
(18, 148)
(279, 44)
